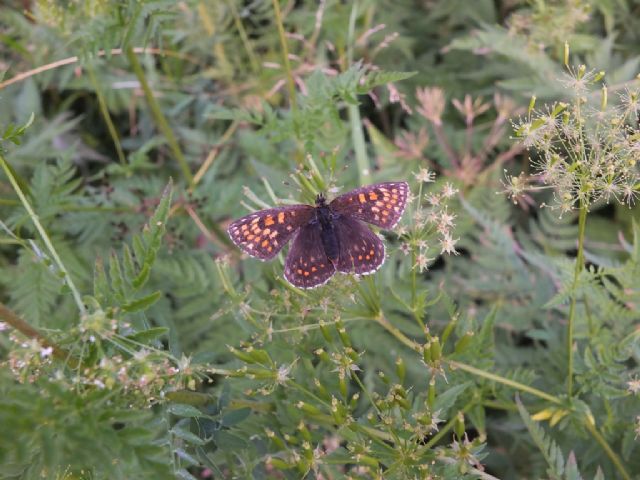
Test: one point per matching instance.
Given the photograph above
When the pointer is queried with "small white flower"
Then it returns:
(448, 245)
(633, 385)
(46, 352)
(425, 176)
(449, 190)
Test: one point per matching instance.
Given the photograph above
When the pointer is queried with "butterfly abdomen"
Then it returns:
(328, 233)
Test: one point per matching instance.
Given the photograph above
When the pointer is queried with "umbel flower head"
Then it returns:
(586, 152)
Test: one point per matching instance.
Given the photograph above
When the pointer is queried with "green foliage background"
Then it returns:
(137, 342)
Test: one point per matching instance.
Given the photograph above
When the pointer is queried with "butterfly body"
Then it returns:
(327, 237)
(326, 218)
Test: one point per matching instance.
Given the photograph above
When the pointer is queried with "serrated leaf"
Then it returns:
(142, 303)
(127, 262)
(148, 336)
(446, 400)
(100, 281)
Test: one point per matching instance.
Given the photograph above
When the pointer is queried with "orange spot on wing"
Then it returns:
(394, 190)
(274, 234)
(373, 196)
(361, 198)
(306, 274)
(368, 257)
(269, 221)
(244, 227)
(265, 243)
(385, 213)
(359, 257)
(371, 252)
(266, 231)
(251, 237)
(299, 272)
(255, 220)
(281, 217)
(313, 269)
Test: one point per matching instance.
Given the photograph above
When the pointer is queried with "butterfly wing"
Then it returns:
(263, 234)
(361, 251)
(307, 265)
(381, 204)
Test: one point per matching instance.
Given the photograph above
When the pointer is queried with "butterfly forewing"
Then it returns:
(263, 234)
(361, 250)
(307, 265)
(381, 204)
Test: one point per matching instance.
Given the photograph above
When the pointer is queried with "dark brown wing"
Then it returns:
(381, 204)
(263, 234)
(307, 265)
(361, 251)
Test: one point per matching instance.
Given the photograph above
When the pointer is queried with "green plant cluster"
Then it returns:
(499, 339)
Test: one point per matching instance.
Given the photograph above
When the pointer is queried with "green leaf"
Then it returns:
(227, 441)
(187, 436)
(148, 336)
(235, 416)
(142, 303)
(184, 410)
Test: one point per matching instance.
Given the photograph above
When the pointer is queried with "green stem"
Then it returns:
(255, 66)
(105, 113)
(158, 116)
(468, 368)
(582, 221)
(43, 234)
(608, 450)
(357, 135)
(285, 56)
(505, 381)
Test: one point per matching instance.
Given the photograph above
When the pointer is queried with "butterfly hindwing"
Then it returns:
(361, 251)
(263, 234)
(381, 204)
(307, 265)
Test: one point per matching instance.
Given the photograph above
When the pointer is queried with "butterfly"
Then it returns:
(327, 237)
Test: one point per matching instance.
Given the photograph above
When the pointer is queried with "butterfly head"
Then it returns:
(321, 200)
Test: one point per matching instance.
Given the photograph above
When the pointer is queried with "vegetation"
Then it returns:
(500, 338)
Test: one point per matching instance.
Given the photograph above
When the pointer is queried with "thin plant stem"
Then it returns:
(607, 448)
(285, 56)
(255, 66)
(104, 110)
(101, 53)
(28, 331)
(505, 381)
(158, 116)
(45, 237)
(468, 368)
(357, 135)
(582, 221)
